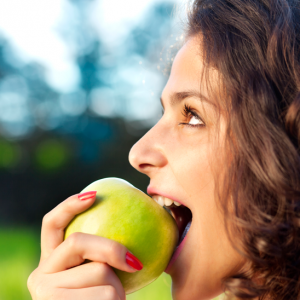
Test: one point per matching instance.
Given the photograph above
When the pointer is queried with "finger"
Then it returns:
(105, 292)
(58, 218)
(88, 275)
(81, 246)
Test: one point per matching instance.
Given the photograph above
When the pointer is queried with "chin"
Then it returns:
(189, 286)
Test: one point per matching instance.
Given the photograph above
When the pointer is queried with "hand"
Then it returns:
(61, 274)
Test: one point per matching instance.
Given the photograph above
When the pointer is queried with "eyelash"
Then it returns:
(187, 112)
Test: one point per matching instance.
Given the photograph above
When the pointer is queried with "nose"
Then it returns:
(148, 154)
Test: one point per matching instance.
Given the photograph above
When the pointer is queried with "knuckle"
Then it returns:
(36, 286)
(115, 248)
(115, 251)
(40, 291)
(100, 270)
(74, 240)
(48, 218)
(110, 293)
(52, 218)
(30, 281)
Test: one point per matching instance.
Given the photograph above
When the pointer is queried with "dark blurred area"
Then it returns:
(38, 173)
(54, 143)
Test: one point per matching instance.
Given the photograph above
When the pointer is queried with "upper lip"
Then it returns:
(151, 191)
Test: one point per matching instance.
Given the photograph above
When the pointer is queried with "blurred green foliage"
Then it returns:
(19, 252)
(10, 154)
(51, 154)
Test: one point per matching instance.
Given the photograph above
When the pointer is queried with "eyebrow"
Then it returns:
(176, 98)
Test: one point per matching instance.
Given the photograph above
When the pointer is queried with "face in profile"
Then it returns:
(182, 154)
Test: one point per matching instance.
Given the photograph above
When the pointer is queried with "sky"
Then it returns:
(32, 28)
(56, 33)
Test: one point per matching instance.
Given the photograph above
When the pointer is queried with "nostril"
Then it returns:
(144, 166)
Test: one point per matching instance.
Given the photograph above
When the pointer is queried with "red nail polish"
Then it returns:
(87, 195)
(132, 261)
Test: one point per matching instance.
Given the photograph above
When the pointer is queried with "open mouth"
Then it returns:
(181, 214)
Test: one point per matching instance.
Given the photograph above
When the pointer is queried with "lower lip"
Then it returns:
(175, 255)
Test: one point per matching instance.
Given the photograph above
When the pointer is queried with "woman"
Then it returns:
(226, 147)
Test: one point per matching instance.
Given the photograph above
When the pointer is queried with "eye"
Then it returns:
(193, 118)
(195, 121)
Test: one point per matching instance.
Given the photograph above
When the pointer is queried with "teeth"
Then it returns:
(164, 201)
(160, 200)
(168, 202)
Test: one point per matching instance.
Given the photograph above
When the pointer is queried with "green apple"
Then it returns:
(125, 214)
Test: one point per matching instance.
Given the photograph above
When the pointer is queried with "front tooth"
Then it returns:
(168, 202)
(160, 200)
(177, 203)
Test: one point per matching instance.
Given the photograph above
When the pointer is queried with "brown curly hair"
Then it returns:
(255, 46)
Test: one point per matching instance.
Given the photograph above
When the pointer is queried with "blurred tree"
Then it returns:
(54, 143)
(149, 36)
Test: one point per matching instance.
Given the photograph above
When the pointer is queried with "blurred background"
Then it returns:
(80, 82)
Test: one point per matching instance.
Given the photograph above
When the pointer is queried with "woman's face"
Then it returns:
(181, 155)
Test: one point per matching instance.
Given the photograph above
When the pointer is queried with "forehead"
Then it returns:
(187, 70)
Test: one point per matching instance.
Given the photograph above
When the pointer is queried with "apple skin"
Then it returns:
(125, 214)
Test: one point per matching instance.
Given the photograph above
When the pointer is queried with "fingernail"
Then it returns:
(133, 262)
(87, 195)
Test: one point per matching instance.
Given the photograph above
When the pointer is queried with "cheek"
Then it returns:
(193, 170)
